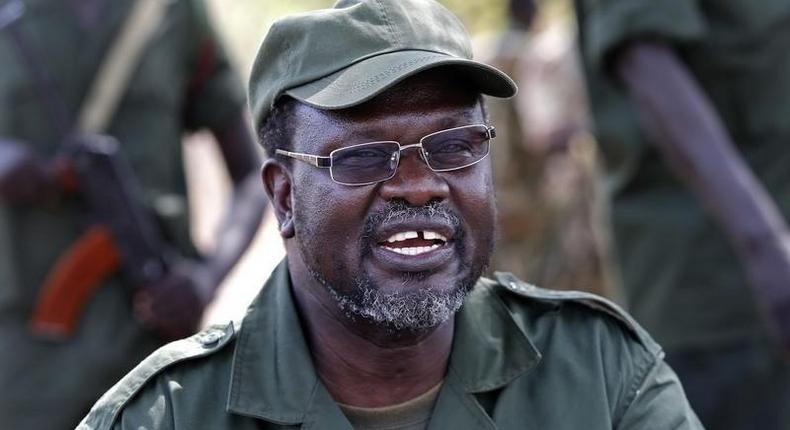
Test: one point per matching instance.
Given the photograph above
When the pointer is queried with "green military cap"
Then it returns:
(340, 57)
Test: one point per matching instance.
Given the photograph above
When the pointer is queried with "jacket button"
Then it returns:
(210, 337)
(521, 287)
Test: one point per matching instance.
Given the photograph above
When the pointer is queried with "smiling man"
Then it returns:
(371, 114)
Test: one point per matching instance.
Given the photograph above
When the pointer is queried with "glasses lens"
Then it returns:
(456, 148)
(360, 164)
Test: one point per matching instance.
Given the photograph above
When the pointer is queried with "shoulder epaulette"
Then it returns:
(592, 301)
(104, 413)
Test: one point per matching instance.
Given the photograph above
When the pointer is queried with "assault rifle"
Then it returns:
(124, 235)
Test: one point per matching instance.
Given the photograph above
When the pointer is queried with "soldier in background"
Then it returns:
(691, 101)
(182, 82)
(548, 197)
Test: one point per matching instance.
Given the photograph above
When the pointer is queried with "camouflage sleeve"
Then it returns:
(657, 401)
(215, 93)
(608, 24)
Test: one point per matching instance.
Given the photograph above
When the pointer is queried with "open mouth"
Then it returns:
(414, 242)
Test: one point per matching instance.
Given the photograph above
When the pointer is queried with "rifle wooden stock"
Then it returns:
(72, 282)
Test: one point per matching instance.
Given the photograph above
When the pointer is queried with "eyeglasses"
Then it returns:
(368, 163)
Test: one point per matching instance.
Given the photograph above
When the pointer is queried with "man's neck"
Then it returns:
(366, 366)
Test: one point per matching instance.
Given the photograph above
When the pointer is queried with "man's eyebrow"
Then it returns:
(453, 122)
(465, 118)
(370, 132)
(375, 132)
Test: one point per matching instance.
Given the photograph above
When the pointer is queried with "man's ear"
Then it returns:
(277, 183)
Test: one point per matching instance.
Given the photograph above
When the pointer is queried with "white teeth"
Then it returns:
(414, 250)
(431, 235)
(403, 236)
(426, 234)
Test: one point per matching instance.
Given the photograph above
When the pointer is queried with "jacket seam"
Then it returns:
(644, 370)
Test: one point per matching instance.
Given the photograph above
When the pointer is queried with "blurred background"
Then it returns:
(683, 179)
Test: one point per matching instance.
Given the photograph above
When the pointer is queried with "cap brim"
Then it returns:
(364, 80)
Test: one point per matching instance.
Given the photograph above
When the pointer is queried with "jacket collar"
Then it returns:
(489, 348)
(273, 377)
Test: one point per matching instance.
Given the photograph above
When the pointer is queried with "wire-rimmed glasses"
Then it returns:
(368, 163)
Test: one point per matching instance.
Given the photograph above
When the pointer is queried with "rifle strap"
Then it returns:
(82, 268)
(117, 67)
(11, 13)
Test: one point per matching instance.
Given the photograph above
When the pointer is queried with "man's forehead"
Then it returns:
(429, 88)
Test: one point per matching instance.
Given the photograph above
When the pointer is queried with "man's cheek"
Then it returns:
(313, 201)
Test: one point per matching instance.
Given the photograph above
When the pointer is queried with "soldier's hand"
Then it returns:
(173, 307)
(768, 269)
(24, 177)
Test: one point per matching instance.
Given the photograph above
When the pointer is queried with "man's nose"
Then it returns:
(414, 182)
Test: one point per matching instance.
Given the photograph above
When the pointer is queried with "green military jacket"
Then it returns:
(522, 357)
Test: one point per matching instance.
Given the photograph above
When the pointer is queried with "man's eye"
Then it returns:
(452, 147)
(363, 157)
(369, 153)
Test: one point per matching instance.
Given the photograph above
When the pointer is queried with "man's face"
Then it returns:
(359, 242)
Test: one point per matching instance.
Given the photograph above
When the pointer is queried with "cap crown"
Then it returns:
(301, 48)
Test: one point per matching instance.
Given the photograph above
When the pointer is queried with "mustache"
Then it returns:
(399, 210)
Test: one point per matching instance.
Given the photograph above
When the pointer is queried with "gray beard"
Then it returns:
(413, 311)
(416, 310)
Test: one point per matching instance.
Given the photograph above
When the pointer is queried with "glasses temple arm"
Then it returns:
(315, 160)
